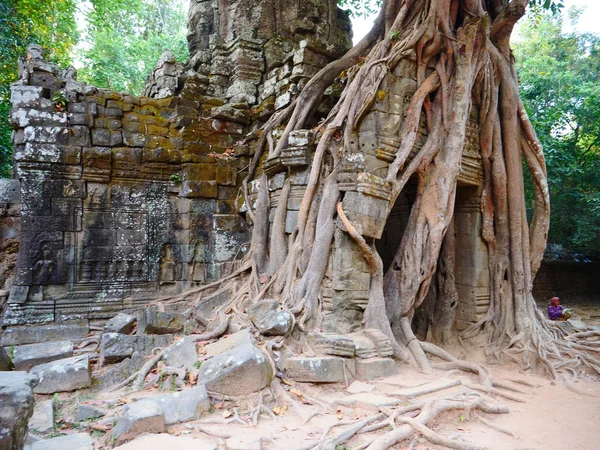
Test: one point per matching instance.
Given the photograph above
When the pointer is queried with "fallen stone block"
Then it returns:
(372, 368)
(85, 412)
(205, 311)
(146, 344)
(121, 323)
(332, 344)
(5, 361)
(426, 388)
(182, 354)
(79, 441)
(153, 321)
(183, 406)
(319, 369)
(240, 370)
(119, 372)
(34, 334)
(228, 342)
(115, 347)
(27, 356)
(63, 375)
(42, 419)
(270, 320)
(137, 418)
(16, 400)
(370, 343)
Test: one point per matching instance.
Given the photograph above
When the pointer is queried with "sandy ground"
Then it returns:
(551, 418)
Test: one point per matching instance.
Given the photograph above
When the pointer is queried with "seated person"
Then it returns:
(556, 310)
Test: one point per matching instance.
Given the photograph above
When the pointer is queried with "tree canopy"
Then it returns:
(560, 87)
(125, 39)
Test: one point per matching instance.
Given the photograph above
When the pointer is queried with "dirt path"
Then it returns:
(553, 418)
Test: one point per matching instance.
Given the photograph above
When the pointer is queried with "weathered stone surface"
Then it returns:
(121, 323)
(5, 361)
(119, 372)
(153, 321)
(229, 342)
(372, 368)
(30, 440)
(270, 320)
(205, 311)
(42, 419)
(79, 441)
(16, 398)
(138, 418)
(188, 404)
(332, 344)
(27, 356)
(115, 347)
(32, 334)
(182, 354)
(10, 191)
(63, 375)
(240, 370)
(85, 412)
(371, 343)
(319, 369)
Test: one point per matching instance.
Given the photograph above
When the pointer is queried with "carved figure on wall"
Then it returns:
(44, 269)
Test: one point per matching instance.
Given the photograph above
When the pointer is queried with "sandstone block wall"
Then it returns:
(125, 198)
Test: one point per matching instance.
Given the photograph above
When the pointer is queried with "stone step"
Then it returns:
(34, 334)
(63, 375)
(42, 419)
(27, 356)
(372, 368)
(79, 441)
(426, 388)
(320, 369)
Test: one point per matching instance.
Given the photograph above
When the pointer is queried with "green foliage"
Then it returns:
(560, 87)
(553, 5)
(126, 38)
(59, 99)
(360, 8)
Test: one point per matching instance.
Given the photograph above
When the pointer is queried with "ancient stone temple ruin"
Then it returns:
(126, 198)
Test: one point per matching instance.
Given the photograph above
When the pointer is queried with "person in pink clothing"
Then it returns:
(556, 310)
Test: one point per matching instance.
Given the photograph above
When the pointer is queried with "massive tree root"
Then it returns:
(463, 66)
(460, 51)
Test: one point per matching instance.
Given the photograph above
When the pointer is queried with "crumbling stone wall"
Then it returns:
(10, 224)
(124, 198)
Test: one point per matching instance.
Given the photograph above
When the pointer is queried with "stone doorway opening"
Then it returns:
(471, 255)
